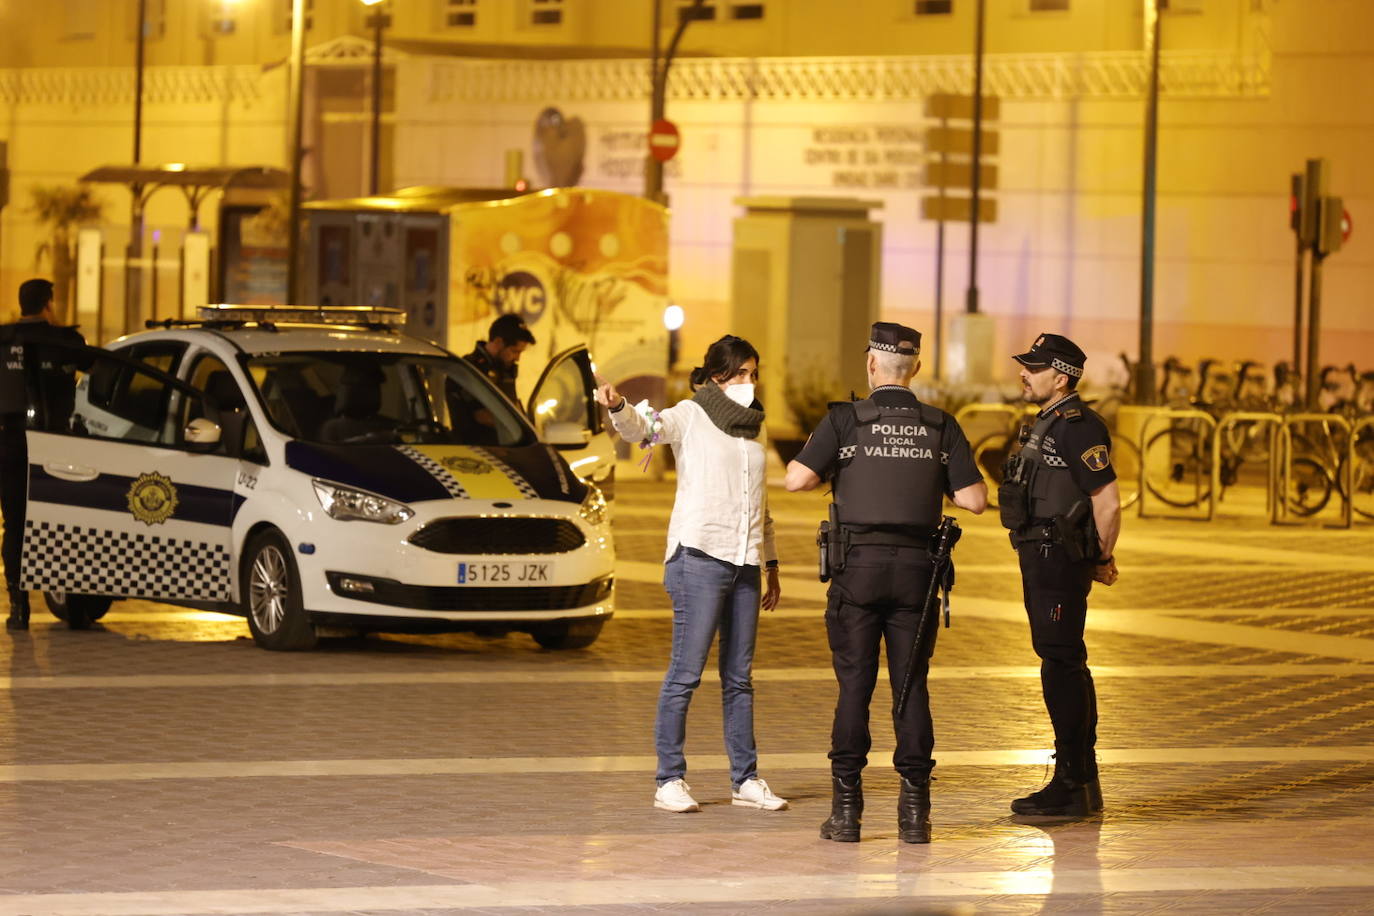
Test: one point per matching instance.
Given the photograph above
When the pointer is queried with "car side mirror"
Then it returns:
(202, 435)
(563, 434)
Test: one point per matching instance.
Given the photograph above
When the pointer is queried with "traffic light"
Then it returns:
(1330, 225)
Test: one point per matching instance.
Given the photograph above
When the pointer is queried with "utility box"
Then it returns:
(805, 290)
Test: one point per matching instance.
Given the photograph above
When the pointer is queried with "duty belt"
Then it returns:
(1037, 532)
(887, 539)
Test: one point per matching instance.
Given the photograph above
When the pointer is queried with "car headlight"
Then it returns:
(593, 509)
(347, 504)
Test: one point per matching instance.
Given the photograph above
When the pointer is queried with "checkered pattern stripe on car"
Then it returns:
(437, 470)
(70, 558)
(521, 483)
(558, 467)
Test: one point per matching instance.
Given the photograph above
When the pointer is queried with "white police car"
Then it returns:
(313, 468)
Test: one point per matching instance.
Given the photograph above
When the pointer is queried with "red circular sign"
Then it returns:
(664, 139)
(1347, 225)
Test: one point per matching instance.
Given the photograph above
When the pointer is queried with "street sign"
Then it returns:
(959, 141)
(958, 209)
(960, 107)
(959, 175)
(664, 140)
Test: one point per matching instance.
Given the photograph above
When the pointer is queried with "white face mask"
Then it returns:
(742, 394)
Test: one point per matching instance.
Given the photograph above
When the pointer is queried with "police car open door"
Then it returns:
(130, 494)
(566, 416)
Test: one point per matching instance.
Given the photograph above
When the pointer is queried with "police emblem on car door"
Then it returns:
(122, 500)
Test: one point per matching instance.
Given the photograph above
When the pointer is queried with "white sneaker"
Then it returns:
(676, 796)
(754, 793)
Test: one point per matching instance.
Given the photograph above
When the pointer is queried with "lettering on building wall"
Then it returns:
(621, 155)
(867, 155)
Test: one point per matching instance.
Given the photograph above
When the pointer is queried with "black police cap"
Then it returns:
(894, 338)
(1054, 351)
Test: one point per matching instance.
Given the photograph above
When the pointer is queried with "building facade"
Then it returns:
(781, 98)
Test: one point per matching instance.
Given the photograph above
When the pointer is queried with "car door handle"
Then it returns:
(74, 472)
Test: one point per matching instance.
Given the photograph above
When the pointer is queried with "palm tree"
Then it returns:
(62, 210)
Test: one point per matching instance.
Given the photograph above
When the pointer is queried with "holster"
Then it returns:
(823, 543)
(1077, 530)
(838, 543)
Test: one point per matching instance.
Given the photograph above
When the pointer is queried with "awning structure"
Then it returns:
(195, 182)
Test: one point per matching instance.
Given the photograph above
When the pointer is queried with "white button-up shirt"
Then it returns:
(721, 506)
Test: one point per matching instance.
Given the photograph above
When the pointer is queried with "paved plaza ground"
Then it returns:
(162, 764)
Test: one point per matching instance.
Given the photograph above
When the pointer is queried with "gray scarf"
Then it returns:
(729, 417)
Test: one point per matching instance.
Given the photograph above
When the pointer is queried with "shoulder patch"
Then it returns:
(1097, 458)
(1073, 414)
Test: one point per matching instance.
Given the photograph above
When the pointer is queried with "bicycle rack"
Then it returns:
(1172, 414)
(1273, 423)
(1285, 469)
(1356, 428)
(1010, 413)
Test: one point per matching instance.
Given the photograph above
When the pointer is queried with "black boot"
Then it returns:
(846, 810)
(1069, 793)
(913, 811)
(19, 611)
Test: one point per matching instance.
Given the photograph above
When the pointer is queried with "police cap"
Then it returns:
(1054, 351)
(894, 338)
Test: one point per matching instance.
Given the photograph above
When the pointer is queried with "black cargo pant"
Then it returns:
(1056, 595)
(878, 597)
(14, 490)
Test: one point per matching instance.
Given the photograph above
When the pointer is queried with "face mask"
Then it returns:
(742, 394)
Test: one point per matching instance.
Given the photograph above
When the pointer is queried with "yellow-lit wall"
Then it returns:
(1065, 254)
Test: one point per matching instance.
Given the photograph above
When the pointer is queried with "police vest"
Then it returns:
(1052, 488)
(14, 398)
(895, 476)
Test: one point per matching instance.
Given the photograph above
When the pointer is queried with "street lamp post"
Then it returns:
(658, 75)
(1145, 363)
(133, 252)
(296, 125)
(378, 20)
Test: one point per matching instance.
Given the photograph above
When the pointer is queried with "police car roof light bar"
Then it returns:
(375, 318)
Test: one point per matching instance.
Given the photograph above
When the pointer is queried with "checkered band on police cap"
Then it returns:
(1054, 351)
(891, 337)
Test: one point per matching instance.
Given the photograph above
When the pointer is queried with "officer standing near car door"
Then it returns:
(1059, 500)
(891, 461)
(46, 393)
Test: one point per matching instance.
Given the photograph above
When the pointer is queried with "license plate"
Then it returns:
(503, 573)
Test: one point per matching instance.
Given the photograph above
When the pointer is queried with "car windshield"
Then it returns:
(356, 398)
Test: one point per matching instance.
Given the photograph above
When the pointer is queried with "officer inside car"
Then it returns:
(1060, 502)
(891, 461)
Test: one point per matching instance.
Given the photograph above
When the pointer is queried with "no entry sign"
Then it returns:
(664, 139)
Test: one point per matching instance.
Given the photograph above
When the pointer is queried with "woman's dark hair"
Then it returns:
(723, 359)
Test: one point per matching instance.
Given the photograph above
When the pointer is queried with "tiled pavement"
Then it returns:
(165, 765)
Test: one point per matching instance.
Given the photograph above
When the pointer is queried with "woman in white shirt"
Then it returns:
(719, 537)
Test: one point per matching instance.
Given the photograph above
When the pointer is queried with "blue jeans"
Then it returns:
(709, 595)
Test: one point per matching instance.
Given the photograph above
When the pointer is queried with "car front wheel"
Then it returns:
(272, 595)
(568, 634)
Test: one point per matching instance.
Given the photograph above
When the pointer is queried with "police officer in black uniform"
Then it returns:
(44, 399)
(891, 461)
(1059, 499)
(499, 355)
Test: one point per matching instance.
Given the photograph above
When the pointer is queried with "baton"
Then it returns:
(945, 538)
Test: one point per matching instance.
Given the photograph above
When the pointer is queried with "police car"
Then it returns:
(316, 468)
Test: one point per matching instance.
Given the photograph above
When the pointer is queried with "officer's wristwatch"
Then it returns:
(621, 406)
